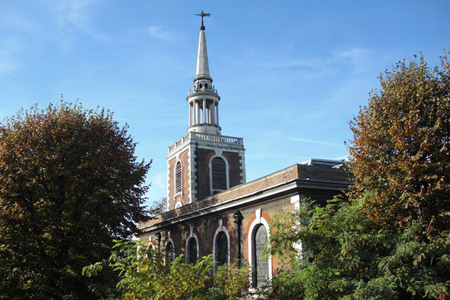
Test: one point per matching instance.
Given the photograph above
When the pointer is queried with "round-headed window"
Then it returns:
(219, 174)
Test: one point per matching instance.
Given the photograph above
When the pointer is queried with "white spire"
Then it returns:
(203, 99)
(202, 58)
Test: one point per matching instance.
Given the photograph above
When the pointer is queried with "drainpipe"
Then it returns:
(238, 220)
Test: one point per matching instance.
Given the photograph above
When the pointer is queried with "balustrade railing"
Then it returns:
(216, 138)
(205, 137)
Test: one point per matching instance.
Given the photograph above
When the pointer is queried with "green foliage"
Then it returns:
(287, 285)
(147, 275)
(392, 240)
(337, 243)
(347, 256)
(69, 185)
(230, 281)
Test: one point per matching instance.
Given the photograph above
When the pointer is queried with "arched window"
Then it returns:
(260, 265)
(221, 255)
(170, 251)
(192, 250)
(221, 245)
(178, 173)
(151, 249)
(219, 174)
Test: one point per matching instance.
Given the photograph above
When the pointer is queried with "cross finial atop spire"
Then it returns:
(202, 14)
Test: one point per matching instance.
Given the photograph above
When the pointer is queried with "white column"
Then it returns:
(213, 112)
(210, 117)
(190, 113)
(196, 113)
(217, 113)
(204, 111)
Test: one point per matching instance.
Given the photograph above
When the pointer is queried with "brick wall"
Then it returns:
(203, 161)
(185, 190)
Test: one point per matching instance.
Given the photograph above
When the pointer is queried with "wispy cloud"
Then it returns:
(18, 21)
(159, 180)
(19, 33)
(74, 13)
(314, 142)
(356, 59)
(7, 62)
(7, 66)
(360, 58)
(353, 53)
(158, 186)
(290, 63)
(159, 33)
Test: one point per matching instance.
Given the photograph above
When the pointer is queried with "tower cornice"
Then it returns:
(199, 94)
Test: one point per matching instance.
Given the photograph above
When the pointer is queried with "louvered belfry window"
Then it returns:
(178, 178)
(219, 174)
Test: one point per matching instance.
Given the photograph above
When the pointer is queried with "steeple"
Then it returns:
(202, 58)
(203, 162)
(203, 100)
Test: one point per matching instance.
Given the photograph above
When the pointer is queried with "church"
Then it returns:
(211, 209)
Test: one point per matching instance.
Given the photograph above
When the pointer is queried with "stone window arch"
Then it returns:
(261, 266)
(192, 247)
(221, 246)
(178, 204)
(150, 248)
(170, 250)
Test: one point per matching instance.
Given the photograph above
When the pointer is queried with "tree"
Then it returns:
(159, 206)
(400, 153)
(340, 253)
(348, 256)
(69, 184)
(400, 157)
(392, 239)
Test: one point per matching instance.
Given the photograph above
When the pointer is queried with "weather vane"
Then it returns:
(202, 14)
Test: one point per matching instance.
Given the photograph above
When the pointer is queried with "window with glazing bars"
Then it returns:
(178, 178)
(219, 174)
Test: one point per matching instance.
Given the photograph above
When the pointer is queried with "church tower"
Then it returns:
(203, 162)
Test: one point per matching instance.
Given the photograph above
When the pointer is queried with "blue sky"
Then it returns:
(291, 74)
